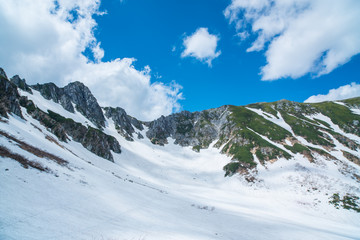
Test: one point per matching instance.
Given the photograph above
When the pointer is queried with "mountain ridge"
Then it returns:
(244, 172)
(250, 134)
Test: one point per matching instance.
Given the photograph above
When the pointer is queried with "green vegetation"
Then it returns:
(242, 154)
(196, 148)
(323, 123)
(28, 104)
(268, 115)
(335, 200)
(244, 118)
(49, 124)
(274, 153)
(231, 168)
(352, 101)
(340, 115)
(265, 107)
(349, 202)
(240, 148)
(297, 148)
(58, 118)
(319, 151)
(97, 132)
(260, 155)
(310, 132)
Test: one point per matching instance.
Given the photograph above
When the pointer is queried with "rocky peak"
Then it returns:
(74, 93)
(123, 122)
(20, 83)
(9, 97)
(2, 73)
(52, 92)
(85, 102)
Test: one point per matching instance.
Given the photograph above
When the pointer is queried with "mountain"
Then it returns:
(262, 171)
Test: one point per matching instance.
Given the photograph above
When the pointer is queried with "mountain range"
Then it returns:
(72, 169)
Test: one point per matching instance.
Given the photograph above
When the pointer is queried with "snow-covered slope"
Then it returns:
(52, 189)
(154, 192)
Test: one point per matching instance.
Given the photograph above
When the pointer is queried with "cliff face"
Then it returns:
(92, 139)
(9, 97)
(74, 94)
(124, 124)
(197, 129)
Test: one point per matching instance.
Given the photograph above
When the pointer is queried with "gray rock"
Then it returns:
(52, 92)
(74, 93)
(85, 102)
(123, 122)
(197, 129)
(92, 139)
(100, 143)
(3, 74)
(9, 98)
(140, 136)
(20, 83)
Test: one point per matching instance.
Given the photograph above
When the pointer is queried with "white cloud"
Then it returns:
(122, 85)
(201, 45)
(303, 36)
(45, 40)
(343, 92)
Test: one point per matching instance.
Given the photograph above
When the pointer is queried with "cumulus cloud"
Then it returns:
(201, 45)
(343, 92)
(46, 40)
(299, 36)
(122, 83)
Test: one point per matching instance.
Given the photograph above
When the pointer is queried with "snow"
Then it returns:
(281, 122)
(278, 121)
(46, 105)
(340, 103)
(163, 192)
(355, 110)
(272, 142)
(335, 127)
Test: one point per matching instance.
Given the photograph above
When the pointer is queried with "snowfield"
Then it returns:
(153, 192)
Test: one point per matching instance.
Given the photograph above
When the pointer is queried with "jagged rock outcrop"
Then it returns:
(74, 93)
(9, 97)
(52, 92)
(124, 123)
(92, 139)
(3, 74)
(85, 102)
(20, 83)
(254, 134)
(197, 129)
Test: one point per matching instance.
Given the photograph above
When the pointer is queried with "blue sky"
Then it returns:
(148, 33)
(190, 55)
